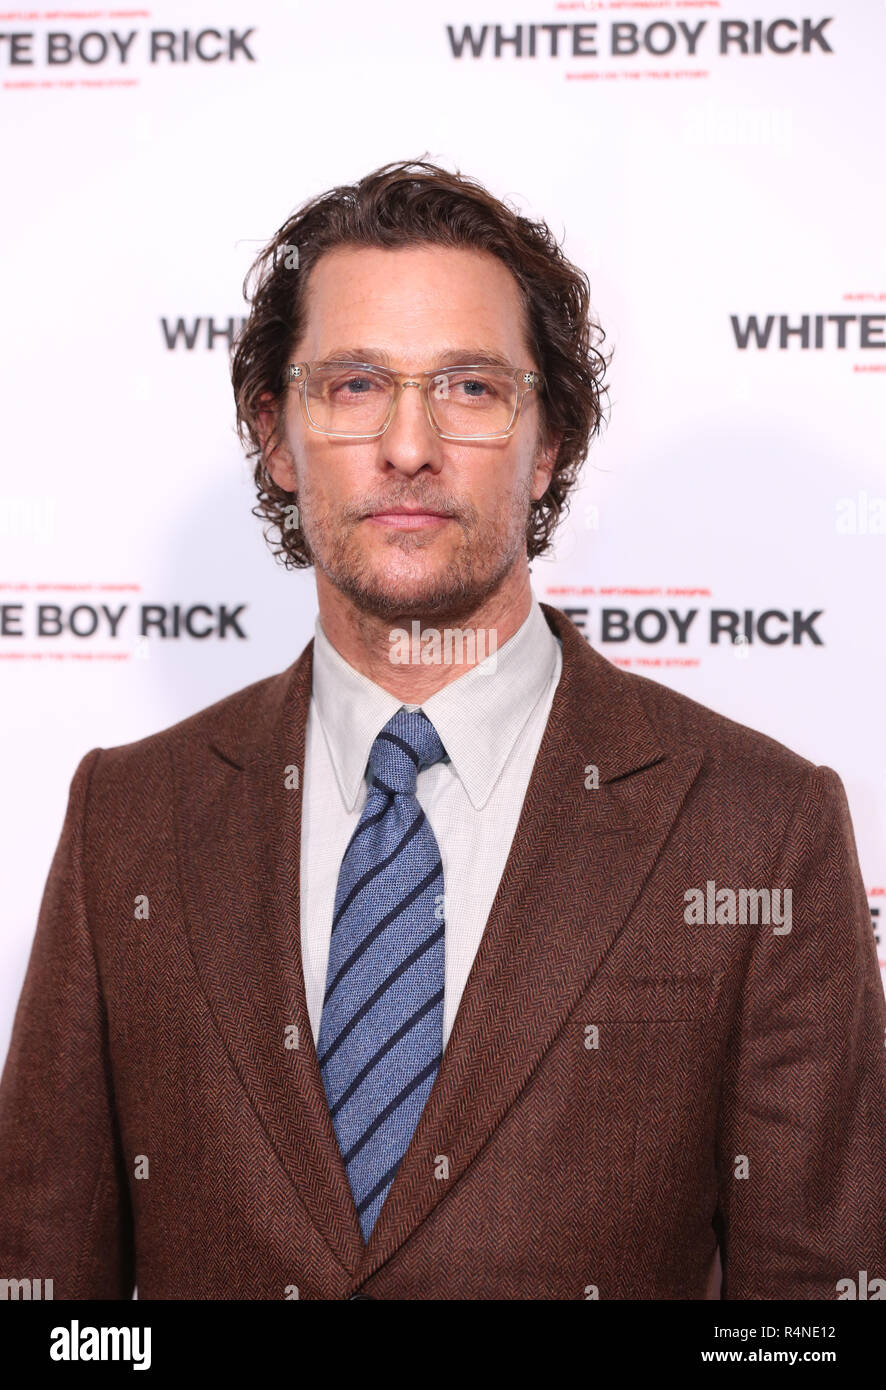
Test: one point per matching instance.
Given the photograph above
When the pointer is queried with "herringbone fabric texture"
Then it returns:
(620, 1091)
(381, 1032)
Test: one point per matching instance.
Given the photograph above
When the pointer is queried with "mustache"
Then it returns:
(441, 502)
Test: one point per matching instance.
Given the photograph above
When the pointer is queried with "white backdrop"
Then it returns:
(700, 188)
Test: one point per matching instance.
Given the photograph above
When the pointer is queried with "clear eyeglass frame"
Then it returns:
(524, 380)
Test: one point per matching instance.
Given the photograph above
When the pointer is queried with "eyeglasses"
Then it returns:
(353, 400)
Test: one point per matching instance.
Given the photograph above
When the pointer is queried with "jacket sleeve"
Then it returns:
(801, 1146)
(64, 1204)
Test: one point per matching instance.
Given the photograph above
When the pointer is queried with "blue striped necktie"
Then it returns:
(381, 1031)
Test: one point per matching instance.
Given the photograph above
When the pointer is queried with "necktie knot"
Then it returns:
(407, 744)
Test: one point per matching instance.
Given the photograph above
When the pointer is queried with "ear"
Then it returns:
(277, 456)
(545, 462)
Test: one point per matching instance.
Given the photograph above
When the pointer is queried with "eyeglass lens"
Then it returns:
(353, 400)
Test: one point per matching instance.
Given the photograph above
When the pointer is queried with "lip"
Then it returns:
(408, 518)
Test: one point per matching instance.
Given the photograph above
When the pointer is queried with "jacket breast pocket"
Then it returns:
(650, 998)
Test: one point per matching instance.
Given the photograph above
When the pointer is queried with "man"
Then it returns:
(395, 975)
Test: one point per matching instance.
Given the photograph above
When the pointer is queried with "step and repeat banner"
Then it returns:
(716, 167)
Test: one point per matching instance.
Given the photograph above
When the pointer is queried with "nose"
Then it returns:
(410, 443)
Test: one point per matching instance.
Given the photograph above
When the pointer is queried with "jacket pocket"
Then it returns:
(650, 998)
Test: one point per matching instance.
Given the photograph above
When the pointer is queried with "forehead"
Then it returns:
(414, 302)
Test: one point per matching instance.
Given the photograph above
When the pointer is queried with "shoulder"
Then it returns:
(727, 744)
(643, 721)
(746, 783)
(751, 791)
(231, 726)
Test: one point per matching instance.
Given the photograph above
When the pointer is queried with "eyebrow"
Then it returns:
(458, 357)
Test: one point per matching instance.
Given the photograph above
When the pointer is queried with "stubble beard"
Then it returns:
(474, 572)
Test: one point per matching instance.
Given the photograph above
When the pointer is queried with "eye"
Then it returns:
(350, 384)
(475, 386)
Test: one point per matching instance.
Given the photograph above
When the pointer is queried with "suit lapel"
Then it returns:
(576, 866)
(239, 831)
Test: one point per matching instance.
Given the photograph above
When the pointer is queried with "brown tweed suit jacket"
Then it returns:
(620, 1091)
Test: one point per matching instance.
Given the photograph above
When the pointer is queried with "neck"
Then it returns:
(365, 641)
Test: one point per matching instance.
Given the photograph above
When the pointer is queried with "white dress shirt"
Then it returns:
(491, 723)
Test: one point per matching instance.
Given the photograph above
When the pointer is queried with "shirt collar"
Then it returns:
(478, 716)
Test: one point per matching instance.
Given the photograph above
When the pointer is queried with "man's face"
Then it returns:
(415, 305)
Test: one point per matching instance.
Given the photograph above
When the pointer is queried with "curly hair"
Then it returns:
(407, 203)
